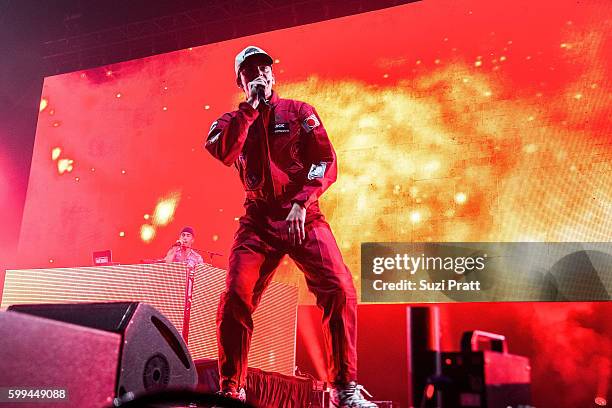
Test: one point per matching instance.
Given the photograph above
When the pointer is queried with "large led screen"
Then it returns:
(452, 121)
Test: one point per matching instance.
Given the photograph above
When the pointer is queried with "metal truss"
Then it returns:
(215, 21)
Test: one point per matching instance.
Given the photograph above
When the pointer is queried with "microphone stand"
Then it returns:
(210, 253)
(189, 283)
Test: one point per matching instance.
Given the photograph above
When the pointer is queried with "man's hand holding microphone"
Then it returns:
(257, 88)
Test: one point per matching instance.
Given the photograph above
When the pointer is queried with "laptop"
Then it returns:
(102, 258)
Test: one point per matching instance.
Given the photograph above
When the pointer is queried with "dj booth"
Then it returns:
(187, 297)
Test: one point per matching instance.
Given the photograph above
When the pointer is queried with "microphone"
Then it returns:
(178, 244)
(261, 93)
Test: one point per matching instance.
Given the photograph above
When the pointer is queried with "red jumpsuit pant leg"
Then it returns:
(251, 266)
(331, 282)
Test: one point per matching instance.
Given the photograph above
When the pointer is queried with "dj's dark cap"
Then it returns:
(189, 230)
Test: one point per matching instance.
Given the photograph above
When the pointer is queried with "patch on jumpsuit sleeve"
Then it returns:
(317, 171)
(212, 137)
(310, 122)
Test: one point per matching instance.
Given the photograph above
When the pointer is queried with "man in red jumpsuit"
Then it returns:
(285, 161)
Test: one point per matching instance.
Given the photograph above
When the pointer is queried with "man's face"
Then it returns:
(186, 238)
(252, 68)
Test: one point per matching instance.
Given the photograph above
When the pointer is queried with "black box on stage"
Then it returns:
(484, 378)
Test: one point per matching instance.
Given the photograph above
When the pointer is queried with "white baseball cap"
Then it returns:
(249, 52)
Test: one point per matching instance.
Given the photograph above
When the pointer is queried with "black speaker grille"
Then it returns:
(156, 373)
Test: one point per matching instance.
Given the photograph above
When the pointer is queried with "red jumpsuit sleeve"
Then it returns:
(227, 134)
(320, 158)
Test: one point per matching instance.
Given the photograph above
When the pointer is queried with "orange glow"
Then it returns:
(44, 102)
(460, 198)
(64, 166)
(165, 208)
(147, 233)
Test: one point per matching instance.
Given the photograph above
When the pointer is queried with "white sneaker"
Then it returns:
(237, 394)
(349, 396)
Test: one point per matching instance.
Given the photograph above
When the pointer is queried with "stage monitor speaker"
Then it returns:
(94, 351)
